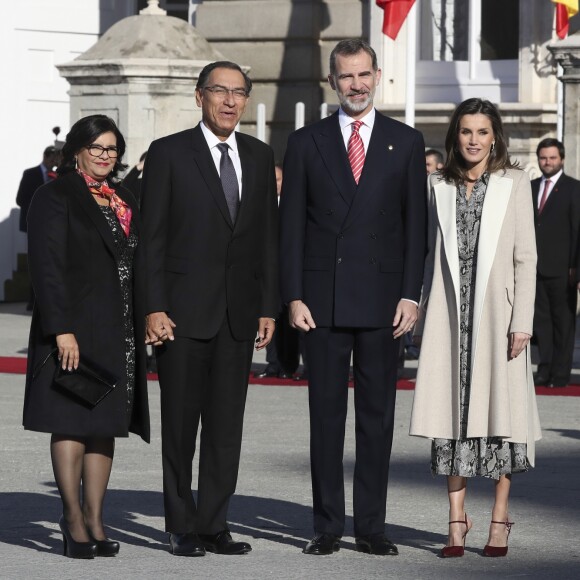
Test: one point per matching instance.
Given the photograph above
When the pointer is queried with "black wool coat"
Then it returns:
(73, 266)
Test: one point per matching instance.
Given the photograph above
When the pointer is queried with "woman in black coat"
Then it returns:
(82, 233)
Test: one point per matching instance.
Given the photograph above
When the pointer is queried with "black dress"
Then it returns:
(126, 247)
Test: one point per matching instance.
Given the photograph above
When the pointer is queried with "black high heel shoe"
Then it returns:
(72, 548)
(106, 548)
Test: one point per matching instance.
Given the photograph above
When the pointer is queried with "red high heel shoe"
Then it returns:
(498, 551)
(456, 551)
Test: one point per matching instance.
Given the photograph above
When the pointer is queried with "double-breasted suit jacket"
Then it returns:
(557, 228)
(502, 397)
(73, 264)
(199, 264)
(352, 252)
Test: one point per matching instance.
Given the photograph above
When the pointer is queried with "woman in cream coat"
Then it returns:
(474, 394)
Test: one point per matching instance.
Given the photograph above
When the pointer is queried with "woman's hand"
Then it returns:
(518, 341)
(68, 351)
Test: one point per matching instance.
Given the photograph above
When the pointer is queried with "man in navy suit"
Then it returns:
(557, 213)
(353, 210)
(32, 179)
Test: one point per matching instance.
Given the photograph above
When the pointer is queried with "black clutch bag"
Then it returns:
(88, 383)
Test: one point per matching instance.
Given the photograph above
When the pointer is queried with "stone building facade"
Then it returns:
(497, 49)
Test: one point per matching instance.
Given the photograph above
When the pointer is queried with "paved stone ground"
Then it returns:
(272, 506)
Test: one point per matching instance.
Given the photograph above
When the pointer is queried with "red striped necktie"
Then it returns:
(356, 151)
(544, 197)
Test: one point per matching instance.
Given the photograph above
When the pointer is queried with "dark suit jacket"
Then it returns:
(351, 253)
(31, 180)
(557, 227)
(199, 264)
(133, 181)
(73, 265)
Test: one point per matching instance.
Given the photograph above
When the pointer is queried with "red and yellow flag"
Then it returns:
(565, 9)
(395, 13)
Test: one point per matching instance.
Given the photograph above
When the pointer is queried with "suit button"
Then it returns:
(339, 261)
(382, 212)
(340, 236)
(329, 212)
(373, 236)
(372, 261)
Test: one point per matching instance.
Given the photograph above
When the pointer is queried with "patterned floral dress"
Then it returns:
(126, 248)
(490, 457)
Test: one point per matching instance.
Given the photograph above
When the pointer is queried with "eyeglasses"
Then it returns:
(221, 92)
(97, 151)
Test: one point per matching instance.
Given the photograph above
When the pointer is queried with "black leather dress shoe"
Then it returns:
(541, 380)
(222, 543)
(558, 384)
(376, 544)
(186, 545)
(266, 373)
(285, 375)
(323, 545)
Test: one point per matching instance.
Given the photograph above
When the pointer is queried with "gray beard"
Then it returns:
(349, 107)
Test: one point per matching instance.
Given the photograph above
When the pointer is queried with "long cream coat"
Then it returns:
(502, 401)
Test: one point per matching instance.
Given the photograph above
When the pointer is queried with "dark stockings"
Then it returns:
(86, 460)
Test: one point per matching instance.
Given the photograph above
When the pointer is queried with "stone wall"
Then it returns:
(287, 44)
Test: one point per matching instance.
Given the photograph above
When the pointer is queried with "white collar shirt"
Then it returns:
(553, 181)
(365, 129)
(213, 142)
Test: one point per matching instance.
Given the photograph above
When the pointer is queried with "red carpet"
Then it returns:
(17, 365)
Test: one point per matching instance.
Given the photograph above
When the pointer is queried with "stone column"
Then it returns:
(142, 73)
(567, 54)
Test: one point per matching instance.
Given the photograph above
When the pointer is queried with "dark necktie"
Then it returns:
(229, 181)
(544, 197)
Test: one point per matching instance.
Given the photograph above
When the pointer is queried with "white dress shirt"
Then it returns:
(553, 181)
(365, 129)
(213, 142)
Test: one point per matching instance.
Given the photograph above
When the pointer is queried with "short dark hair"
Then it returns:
(82, 134)
(208, 68)
(454, 169)
(350, 47)
(50, 150)
(551, 142)
(435, 153)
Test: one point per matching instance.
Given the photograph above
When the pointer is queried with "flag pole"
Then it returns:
(411, 66)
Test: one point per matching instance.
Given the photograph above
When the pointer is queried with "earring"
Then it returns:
(492, 147)
(76, 164)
